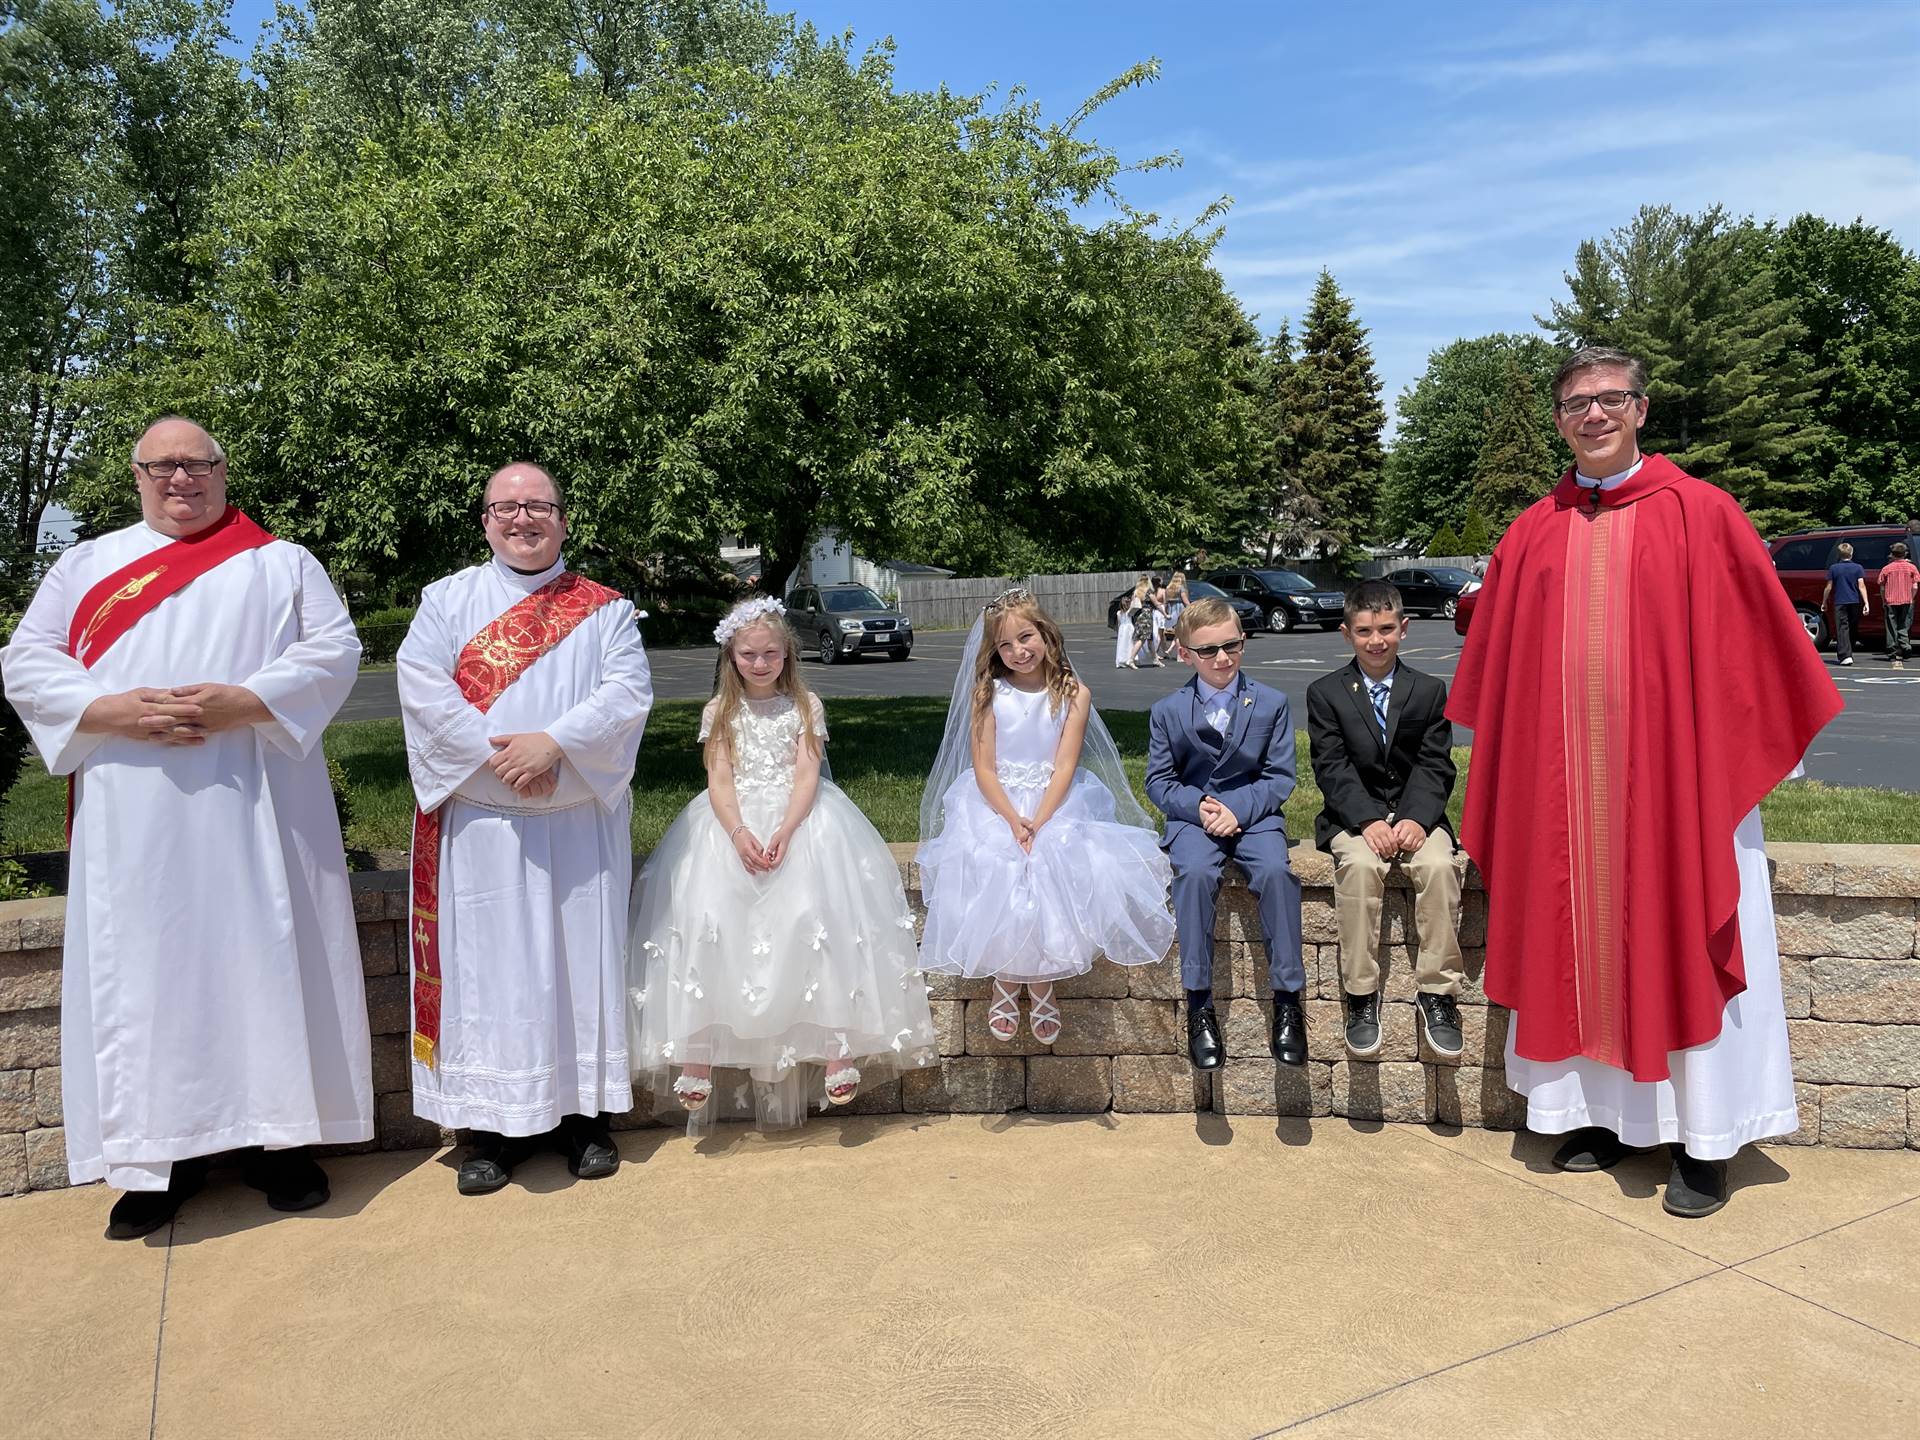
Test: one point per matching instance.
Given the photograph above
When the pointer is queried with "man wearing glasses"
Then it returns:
(180, 672)
(1220, 765)
(524, 689)
(1636, 681)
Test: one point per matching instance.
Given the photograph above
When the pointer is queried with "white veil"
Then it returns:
(1099, 756)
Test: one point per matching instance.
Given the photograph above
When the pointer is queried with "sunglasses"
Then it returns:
(1207, 652)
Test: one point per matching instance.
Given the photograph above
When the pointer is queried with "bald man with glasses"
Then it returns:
(181, 672)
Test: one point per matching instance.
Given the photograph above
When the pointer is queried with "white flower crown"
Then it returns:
(747, 612)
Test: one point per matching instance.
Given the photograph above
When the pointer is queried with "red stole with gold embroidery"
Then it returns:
(500, 654)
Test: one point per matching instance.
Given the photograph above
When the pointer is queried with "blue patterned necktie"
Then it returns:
(1380, 689)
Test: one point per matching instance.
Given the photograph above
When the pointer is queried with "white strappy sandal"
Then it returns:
(693, 1091)
(843, 1084)
(1043, 1010)
(1003, 1015)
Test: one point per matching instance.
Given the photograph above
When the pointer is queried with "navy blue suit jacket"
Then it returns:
(1251, 771)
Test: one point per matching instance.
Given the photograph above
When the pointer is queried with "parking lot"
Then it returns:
(1875, 741)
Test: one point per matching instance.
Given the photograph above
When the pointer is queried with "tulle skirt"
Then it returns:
(767, 978)
(1091, 886)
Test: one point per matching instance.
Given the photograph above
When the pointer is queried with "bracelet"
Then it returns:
(736, 829)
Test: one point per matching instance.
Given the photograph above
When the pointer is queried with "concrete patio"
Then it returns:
(1163, 1276)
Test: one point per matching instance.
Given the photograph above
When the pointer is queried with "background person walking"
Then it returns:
(1847, 587)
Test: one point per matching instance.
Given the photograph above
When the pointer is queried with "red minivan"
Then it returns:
(1801, 560)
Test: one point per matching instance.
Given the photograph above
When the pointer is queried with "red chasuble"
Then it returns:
(1636, 681)
(500, 654)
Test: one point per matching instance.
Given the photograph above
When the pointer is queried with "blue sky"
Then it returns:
(1443, 160)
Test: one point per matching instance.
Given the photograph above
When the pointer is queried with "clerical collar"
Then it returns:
(1210, 692)
(528, 581)
(1608, 482)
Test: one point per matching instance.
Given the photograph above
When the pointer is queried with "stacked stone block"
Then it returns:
(1849, 928)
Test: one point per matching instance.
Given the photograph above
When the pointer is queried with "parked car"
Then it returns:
(1252, 618)
(1432, 589)
(1285, 599)
(844, 622)
(1801, 560)
(1463, 611)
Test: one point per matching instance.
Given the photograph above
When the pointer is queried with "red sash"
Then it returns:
(499, 655)
(121, 600)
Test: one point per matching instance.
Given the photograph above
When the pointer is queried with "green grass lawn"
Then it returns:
(881, 751)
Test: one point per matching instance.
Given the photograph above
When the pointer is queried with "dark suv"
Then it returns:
(1286, 599)
(844, 622)
(1801, 560)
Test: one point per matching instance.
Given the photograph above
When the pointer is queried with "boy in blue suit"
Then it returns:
(1220, 765)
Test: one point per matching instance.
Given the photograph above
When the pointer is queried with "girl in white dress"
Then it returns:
(1035, 858)
(770, 938)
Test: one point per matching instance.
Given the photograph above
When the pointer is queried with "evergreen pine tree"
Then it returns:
(1730, 389)
(1444, 542)
(1333, 396)
(1476, 537)
(1513, 468)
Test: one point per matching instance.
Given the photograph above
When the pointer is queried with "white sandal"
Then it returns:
(843, 1084)
(693, 1091)
(1003, 1015)
(1042, 1010)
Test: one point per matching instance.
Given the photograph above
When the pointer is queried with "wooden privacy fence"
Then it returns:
(935, 604)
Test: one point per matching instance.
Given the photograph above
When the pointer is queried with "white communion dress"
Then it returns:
(1090, 886)
(769, 977)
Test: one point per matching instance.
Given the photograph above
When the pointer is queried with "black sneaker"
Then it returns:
(290, 1178)
(591, 1154)
(1363, 1025)
(1440, 1019)
(141, 1212)
(489, 1164)
(1696, 1188)
(1590, 1148)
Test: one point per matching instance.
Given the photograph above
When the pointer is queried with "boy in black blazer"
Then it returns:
(1382, 752)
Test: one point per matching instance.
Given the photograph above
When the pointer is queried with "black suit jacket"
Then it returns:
(1411, 775)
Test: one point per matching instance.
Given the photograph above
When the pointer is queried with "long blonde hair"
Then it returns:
(1055, 668)
(1177, 586)
(730, 690)
(1141, 588)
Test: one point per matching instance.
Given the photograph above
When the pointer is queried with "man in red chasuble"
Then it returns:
(1636, 681)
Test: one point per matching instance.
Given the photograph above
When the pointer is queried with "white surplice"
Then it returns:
(533, 892)
(211, 995)
(1736, 1088)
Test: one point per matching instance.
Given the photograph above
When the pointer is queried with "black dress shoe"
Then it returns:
(489, 1164)
(1696, 1187)
(1590, 1148)
(290, 1178)
(141, 1212)
(1440, 1019)
(1363, 1026)
(591, 1154)
(1204, 1046)
(1289, 1040)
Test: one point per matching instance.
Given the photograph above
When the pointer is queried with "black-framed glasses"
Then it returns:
(506, 510)
(164, 469)
(1230, 647)
(1612, 402)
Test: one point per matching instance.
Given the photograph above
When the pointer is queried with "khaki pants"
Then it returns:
(1360, 884)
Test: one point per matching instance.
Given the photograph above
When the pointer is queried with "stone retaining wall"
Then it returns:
(1849, 926)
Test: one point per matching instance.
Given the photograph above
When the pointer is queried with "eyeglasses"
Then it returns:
(1207, 652)
(1613, 402)
(505, 510)
(164, 469)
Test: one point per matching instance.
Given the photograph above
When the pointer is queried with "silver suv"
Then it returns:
(844, 622)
